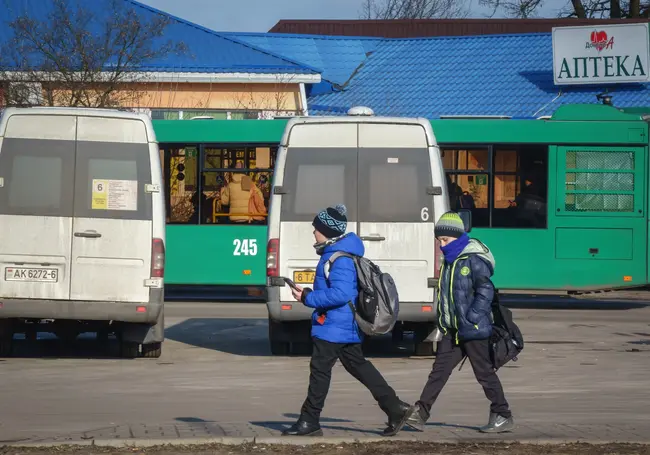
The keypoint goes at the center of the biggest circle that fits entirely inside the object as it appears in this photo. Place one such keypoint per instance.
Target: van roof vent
(361, 111)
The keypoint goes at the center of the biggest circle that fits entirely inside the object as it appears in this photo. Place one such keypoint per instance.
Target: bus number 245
(245, 247)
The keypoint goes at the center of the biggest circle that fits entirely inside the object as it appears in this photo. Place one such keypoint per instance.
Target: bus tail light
(157, 258)
(273, 257)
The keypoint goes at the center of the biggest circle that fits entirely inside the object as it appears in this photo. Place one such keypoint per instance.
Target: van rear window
(37, 177)
(393, 185)
(110, 179)
(316, 178)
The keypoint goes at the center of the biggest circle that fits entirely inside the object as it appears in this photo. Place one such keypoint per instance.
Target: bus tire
(6, 347)
(280, 348)
(152, 350)
(279, 345)
(129, 349)
(6, 338)
(423, 348)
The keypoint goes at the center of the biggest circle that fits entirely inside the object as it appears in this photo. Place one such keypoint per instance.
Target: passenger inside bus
(245, 200)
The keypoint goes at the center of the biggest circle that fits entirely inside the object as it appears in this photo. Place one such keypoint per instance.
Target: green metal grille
(599, 181)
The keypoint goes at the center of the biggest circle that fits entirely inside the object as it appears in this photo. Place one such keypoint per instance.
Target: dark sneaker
(397, 421)
(302, 428)
(417, 420)
(498, 424)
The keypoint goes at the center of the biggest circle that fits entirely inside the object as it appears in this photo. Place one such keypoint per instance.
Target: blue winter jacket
(465, 293)
(332, 319)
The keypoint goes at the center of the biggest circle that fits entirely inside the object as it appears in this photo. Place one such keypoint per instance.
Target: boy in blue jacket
(335, 333)
(465, 294)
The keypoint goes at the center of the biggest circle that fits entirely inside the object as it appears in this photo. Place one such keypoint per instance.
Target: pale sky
(261, 15)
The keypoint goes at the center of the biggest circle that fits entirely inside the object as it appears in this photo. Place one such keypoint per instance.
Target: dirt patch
(381, 448)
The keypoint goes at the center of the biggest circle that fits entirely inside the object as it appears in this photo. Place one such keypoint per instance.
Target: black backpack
(506, 341)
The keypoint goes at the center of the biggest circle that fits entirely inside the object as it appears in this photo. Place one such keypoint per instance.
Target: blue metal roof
(466, 75)
(208, 51)
(337, 57)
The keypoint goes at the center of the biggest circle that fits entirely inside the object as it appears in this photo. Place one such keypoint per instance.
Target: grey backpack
(378, 302)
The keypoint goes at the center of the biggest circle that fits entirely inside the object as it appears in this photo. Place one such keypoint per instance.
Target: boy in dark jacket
(335, 333)
(465, 294)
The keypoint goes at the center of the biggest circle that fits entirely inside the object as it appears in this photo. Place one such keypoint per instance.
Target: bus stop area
(582, 377)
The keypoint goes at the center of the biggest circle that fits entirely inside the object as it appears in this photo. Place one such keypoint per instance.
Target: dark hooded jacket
(465, 293)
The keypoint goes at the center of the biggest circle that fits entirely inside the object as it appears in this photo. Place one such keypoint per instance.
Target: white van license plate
(31, 274)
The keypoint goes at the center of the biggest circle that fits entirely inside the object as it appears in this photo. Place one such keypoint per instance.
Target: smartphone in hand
(290, 283)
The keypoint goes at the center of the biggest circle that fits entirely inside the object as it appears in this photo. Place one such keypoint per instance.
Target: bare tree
(81, 57)
(514, 8)
(414, 9)
(276, 101)
(583, 9)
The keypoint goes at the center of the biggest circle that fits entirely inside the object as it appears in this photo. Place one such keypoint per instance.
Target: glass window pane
(183, 191)
(393, 185)
(38, 177)
(318, 178)
(319, 185)
(213, 158)
(470, 192)
(505, 161)
(235, 197)
(36, 182)
(465, 159)
(112, 187)
(505, 190)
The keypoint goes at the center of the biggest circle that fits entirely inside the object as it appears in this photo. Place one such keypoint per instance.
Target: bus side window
(519, 178)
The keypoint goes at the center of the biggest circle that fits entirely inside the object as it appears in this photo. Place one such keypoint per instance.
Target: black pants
(323, 360)
(448, 356)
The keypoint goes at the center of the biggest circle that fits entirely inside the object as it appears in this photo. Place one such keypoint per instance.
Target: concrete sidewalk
(142, 435)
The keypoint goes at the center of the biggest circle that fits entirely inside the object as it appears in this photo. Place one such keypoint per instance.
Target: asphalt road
(580, 366)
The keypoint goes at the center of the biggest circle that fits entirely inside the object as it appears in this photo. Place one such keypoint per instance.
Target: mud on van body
(82, 227)
(388, 172)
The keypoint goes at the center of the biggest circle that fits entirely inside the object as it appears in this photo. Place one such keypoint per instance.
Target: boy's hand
(297, 293)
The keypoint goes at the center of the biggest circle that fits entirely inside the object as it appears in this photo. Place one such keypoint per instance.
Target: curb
(293, 441)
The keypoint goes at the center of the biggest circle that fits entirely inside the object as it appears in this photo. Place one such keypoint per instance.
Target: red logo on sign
(600, 40)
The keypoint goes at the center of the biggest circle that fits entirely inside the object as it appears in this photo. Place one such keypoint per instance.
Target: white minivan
(388, 172)
(82, 227)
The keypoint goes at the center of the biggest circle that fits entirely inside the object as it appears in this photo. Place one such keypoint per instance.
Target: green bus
(562, 201)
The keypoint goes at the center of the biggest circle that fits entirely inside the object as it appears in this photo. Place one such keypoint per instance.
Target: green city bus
(562, 201)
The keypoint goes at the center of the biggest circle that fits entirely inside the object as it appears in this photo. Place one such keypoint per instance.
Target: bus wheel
(277, 339)
(6, 338)
(152, 350)
(423, 348)
(6, 346)
(398, 333)
(129, 349)
(280, 348)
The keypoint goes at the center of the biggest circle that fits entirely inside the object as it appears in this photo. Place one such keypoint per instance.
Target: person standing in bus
(237, 194)
(465, 294)
(335, 333)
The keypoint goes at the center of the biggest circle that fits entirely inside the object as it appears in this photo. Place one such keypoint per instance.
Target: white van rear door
(320, 171)
(36, 195)
(112, 227)
(396, 219)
